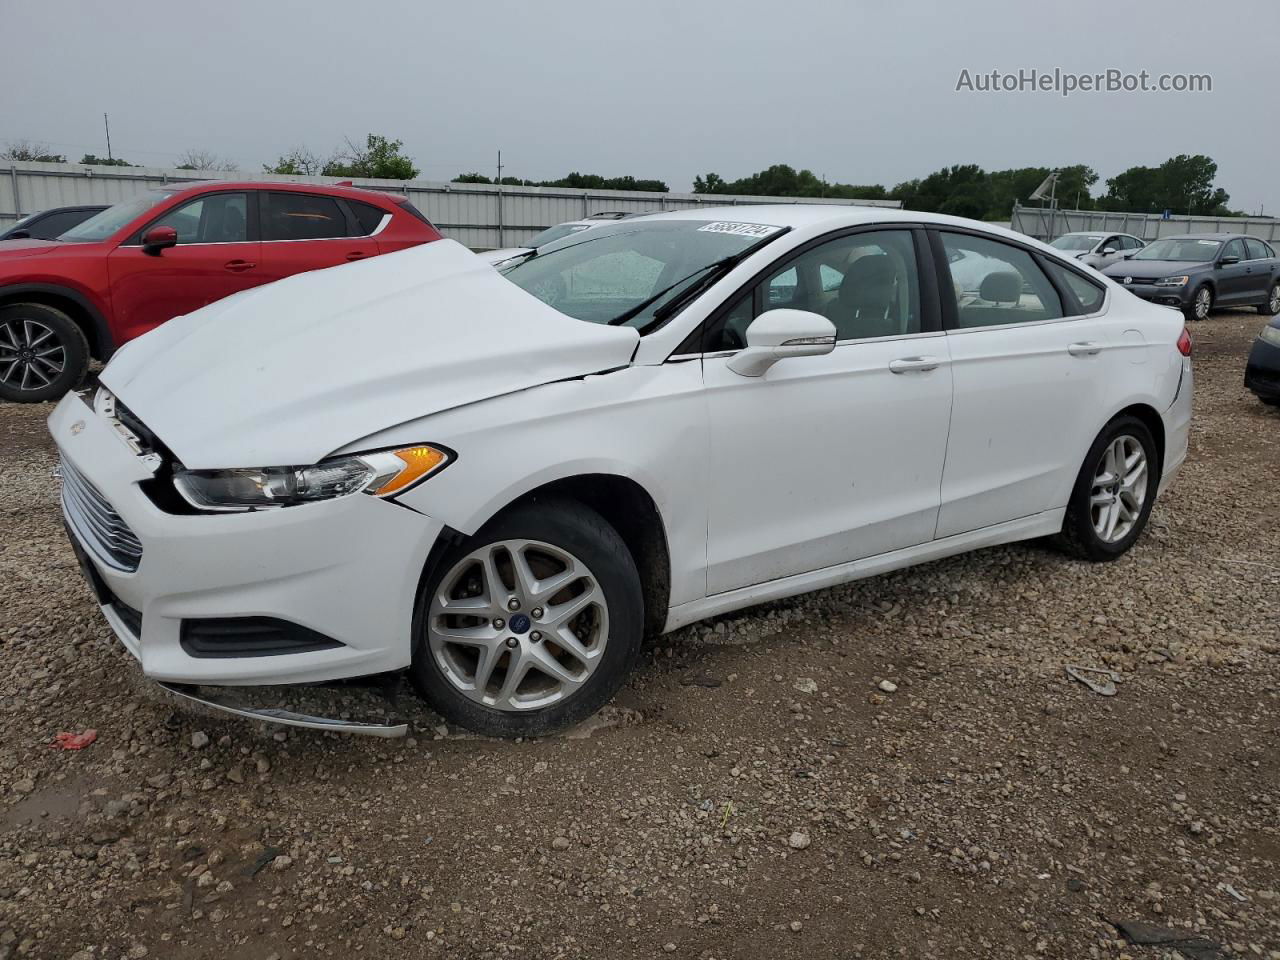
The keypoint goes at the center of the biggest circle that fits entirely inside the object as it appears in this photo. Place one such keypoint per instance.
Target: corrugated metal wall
(1044, 224)
(471, 213)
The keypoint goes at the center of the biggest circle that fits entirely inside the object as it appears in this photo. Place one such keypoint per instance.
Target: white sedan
(502, 481)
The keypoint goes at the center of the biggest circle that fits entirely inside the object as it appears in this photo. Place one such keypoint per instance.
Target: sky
(857, 91)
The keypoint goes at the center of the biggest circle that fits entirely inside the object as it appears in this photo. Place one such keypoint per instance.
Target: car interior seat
(868, 300)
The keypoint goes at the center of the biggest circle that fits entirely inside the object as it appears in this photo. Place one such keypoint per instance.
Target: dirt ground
(753, 793)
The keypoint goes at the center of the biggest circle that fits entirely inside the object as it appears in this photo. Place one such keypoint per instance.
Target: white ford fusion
(502, 481)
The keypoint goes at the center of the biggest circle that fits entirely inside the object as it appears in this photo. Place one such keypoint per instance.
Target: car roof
(1202, 236)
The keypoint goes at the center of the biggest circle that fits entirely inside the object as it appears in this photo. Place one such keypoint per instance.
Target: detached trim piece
(223, 637)
(287, 717)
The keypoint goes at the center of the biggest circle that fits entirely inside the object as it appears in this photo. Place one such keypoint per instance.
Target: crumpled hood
(287, 373)
(1154, 269)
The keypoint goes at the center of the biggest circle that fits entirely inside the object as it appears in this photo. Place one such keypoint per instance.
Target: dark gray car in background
(1197, 272)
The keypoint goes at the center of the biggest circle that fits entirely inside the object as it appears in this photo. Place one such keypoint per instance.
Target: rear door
(307, 231)
(1261, 268)
(1235, 284)
(1029, 366)
(216, 256)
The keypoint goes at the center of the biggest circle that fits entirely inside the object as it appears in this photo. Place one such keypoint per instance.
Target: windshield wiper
(713, 271)
(643, 305)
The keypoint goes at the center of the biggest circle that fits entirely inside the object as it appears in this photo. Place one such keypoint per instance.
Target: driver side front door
(828, 459)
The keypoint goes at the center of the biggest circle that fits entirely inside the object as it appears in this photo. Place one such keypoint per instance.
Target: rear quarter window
(1087, 294)
(367, 215)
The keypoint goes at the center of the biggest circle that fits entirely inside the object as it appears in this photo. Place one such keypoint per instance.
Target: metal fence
(480, 215)
(1049, 224)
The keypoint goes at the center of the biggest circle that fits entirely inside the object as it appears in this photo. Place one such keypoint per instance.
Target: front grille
(249, 637)
(96, 522)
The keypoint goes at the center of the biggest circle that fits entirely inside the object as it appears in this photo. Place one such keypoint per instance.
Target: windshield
(104, 224)
(552, 234)
(1076, 241)
(1180, 248)
(625, 272)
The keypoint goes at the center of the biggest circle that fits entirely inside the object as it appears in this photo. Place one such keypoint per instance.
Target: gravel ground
(896, 768)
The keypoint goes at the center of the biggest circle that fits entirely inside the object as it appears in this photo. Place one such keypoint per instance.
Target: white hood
(287, 373)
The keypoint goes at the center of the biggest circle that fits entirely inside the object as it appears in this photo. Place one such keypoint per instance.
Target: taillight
(1184, 343)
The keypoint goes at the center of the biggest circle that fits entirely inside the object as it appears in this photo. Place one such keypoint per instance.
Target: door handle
(239, 266)
(914, 364)
(356, 255)
(1086, 348)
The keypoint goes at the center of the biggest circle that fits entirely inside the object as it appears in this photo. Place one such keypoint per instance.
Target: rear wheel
(1114, 492)
(1201, 304)
(531, 625)
(1272, 306)
(43, 353)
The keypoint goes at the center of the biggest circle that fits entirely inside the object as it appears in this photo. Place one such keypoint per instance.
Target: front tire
(1113, 494)
(43, 353)
(1272, 306)
(531, 625)
(1201, 304)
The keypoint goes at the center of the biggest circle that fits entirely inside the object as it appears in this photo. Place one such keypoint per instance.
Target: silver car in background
(1098, 249)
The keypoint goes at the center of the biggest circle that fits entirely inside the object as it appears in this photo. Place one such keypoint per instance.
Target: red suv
(167, 252)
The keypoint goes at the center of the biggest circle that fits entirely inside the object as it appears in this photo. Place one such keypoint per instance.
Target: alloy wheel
(518, 625)
(1275, 299)
(1204, 300)
(31, 354)
(1119, 489)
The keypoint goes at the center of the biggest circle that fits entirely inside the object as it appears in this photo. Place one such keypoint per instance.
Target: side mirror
(159, 238)
(19, 235)
(777, 334)
(1228, 261)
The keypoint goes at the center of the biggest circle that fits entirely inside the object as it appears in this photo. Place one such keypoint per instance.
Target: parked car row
(128, 268)
(501, 480)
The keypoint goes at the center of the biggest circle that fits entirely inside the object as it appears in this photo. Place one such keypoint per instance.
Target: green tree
(711, 183)
(963, 190)
(1183, 184)
(472, 177)
(298, 162)
(93, 160)
(26, 150)
(379, 158)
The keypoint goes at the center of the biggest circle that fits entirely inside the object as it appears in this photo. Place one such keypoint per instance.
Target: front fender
(644, 423)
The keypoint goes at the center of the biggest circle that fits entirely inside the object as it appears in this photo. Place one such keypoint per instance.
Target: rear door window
(997, 283)
(302, 216)
(1257, 249)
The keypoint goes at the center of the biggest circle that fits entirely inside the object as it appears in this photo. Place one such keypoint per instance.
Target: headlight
(1271, 335)
(1172, 282)
(378, 474)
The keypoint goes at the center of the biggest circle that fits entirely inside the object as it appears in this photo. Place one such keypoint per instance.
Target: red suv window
(302, 216)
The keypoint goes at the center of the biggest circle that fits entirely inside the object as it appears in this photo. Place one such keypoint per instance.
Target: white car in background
(558, 232)
(709, 409)
(1098, 249)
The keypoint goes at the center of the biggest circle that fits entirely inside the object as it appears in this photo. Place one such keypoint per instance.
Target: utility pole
(107, 125)
(501, 233)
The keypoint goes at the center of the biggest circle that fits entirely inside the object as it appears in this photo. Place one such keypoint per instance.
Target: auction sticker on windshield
(740, 229)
